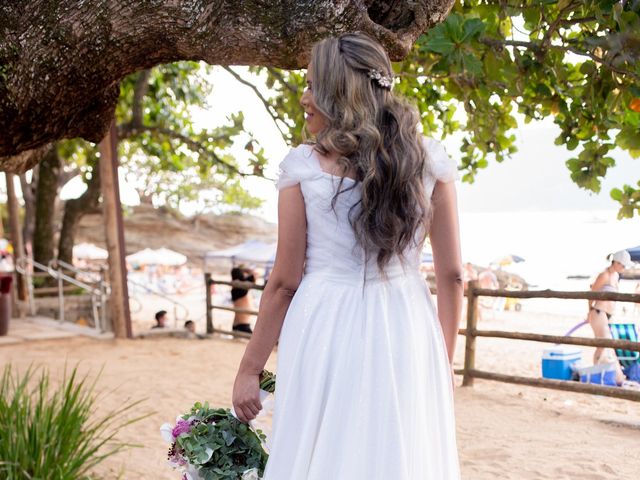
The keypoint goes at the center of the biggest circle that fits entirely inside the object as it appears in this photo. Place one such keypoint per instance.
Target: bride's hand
(246, 396)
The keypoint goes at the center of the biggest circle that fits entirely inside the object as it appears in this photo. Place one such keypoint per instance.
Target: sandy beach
(504, 431)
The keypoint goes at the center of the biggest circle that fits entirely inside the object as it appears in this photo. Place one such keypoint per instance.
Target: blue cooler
(557, 361)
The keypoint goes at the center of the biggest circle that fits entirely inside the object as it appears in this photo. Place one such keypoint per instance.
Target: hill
(149, 227)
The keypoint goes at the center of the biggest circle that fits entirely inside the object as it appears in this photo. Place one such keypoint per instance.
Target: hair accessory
(382, 80)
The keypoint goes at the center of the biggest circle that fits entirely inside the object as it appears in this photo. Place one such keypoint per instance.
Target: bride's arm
(283, 282)
(445, 242)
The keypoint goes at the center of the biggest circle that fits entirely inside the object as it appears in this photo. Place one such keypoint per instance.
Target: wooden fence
(469, 372)
(210, 282)
(471, 333)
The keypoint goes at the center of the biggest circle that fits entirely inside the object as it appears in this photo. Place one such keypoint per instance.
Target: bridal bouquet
(212, 444)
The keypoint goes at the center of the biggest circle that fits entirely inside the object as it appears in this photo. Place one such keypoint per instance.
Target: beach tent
(162, 256)
(635, 253)
(88, 251)
(252, 251)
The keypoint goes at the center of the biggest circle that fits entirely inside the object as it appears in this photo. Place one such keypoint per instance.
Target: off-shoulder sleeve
(294, 167)
(442, 168)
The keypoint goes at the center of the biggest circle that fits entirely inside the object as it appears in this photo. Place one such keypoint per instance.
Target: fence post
(207, 284)
(470, 341)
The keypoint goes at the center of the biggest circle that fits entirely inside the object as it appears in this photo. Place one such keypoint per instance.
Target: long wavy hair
(375, 134)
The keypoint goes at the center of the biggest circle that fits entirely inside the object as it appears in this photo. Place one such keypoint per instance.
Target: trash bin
(5, 304)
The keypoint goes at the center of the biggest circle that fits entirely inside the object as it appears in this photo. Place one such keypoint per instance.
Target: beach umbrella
(88, 251)
(162, 256)
(508, 260)
(635, 253)
(143, 257)
(170, 258)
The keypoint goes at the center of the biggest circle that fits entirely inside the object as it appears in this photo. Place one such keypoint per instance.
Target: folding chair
(625, 331)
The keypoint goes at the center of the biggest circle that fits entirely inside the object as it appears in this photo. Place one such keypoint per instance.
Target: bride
(364, 372)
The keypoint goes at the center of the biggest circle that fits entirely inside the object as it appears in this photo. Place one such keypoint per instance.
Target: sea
(562, 250)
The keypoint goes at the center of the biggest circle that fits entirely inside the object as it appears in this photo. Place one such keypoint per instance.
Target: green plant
(52, 433)
(267, 381)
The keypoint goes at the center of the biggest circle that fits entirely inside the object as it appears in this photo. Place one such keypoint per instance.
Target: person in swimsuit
(601, 311)
(242, 299)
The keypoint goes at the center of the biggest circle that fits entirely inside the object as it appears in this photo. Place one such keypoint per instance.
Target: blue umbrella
(635, 253)
(508, 260)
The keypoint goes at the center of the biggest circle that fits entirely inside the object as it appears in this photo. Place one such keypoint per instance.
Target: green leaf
(472, 28)
(441, 45)
(471, 64)
(616, 194)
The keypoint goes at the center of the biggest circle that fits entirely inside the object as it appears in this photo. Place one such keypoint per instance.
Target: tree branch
(139, 91)
(537, 48)
(270, 110)
(129, 131)
(62, 61)
(276, 73)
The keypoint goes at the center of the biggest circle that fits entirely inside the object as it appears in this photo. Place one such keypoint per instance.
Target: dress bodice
(331, 242)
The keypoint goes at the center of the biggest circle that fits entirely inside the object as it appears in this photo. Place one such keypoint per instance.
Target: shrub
(51, 433)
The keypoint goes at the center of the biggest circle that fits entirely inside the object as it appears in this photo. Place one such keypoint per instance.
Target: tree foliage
(491, 63)
(574, 61)
(164, 154)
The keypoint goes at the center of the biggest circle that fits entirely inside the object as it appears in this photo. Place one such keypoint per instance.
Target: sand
(504, 431)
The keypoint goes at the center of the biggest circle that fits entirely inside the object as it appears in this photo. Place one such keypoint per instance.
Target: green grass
(49, 433)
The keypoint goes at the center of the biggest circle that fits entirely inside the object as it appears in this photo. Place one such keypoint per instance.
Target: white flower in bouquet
(251, 474)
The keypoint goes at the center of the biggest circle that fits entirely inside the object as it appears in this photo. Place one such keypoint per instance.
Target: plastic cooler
(557, 361)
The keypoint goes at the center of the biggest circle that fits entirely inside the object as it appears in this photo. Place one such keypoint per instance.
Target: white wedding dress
(363, 384)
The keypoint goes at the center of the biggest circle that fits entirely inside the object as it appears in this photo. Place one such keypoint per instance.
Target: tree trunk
(114, 235)
(16, 236)
(46, 195)
(29, 197)
(74, 210)
(61, 61)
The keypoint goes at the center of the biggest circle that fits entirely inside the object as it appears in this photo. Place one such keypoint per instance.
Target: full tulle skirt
(363, 388)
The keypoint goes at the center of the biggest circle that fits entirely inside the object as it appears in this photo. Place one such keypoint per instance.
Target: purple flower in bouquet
(182, 426)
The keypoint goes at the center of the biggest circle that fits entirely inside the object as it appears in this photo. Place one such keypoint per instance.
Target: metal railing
(176, 305)
(99, 291)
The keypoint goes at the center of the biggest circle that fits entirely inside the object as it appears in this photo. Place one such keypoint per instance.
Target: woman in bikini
(601, 311)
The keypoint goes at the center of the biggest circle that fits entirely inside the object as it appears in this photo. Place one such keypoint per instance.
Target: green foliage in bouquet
(221, 445)
(268, 381)
(54, 434)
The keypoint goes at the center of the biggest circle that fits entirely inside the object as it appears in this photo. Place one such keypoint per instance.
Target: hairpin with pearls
(382, 80)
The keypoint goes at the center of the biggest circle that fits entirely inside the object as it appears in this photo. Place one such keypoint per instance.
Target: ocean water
(554, 244)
